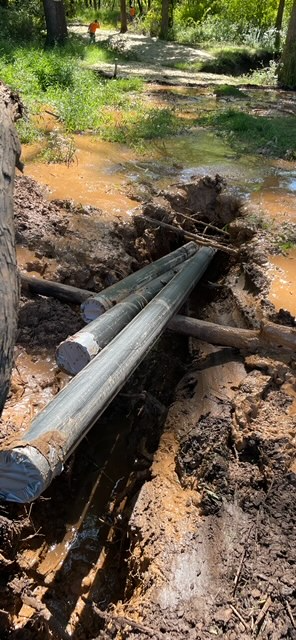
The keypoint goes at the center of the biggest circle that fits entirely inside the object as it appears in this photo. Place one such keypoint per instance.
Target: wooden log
(270, 335)
(10, 151)
(200, 240)
(63, 292)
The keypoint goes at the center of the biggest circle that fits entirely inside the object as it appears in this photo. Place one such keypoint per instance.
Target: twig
(188, 235)
(240, 566)
(238, 615)
(122, 620)
(262, 613)
(290, 614)
(204, 224)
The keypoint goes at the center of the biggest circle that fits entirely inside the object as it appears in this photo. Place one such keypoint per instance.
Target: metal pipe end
(92, 308)
(24, 474)
(74, 354)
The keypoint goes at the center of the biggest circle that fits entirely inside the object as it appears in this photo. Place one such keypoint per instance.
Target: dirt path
(153, 59)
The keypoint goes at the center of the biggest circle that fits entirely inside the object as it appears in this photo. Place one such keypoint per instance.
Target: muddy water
(283, 288)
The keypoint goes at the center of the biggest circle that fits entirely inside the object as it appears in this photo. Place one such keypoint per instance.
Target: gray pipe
(73, 354)
(27, 469)
(98, 304)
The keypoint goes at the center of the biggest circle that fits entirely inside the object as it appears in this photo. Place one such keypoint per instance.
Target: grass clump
(247, 133)
(229, 90)
(236, 60)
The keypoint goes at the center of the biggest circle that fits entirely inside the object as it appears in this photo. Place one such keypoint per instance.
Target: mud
(175, 516)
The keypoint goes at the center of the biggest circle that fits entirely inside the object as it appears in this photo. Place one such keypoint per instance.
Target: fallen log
(63, 292)
(10, 110)
(98, 304)
(200, 240)
(29, 465)
(77, 351)
(269, 335)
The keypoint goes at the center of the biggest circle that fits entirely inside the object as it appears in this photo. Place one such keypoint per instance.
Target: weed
(229, 90)
(259, 134)
(59, 150)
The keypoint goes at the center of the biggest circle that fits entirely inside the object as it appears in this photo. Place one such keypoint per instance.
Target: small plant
(59, 150)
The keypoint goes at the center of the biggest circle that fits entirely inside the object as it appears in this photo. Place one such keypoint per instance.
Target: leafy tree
(287, 70)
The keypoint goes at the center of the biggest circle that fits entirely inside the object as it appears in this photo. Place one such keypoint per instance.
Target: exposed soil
(175, 516)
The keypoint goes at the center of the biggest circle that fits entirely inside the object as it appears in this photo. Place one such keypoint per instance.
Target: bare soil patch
(175, 517)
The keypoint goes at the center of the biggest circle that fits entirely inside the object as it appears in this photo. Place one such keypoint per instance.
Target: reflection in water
(283, 288)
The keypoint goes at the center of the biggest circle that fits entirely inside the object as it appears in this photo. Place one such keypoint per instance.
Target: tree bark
(164, 28)
(123, 17)
(287, 70)
(56, 25)
(269, 336)
(278, 24)
(10, 151)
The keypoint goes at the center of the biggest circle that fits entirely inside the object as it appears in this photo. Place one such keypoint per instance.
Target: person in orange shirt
(92, 30)
(132, 12)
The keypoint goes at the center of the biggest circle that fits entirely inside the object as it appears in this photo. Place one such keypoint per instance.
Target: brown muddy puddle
(94, 178)
(283, 287)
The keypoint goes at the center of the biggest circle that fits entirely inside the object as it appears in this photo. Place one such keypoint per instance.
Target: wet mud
(175, 517)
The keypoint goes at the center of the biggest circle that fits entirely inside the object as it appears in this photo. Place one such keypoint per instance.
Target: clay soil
(175, 518)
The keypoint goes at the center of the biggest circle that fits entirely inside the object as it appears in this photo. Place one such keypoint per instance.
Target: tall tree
(10, 110)
(123, 17)
(56, 24)
(278, 24)
(164, 27)
(287, 69)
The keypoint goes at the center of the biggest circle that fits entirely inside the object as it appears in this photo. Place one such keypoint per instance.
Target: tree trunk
(164, 28)
(56, 24)
(278, 24)
(123, 17)
(9, 157)
(140, 7)
(287, 70)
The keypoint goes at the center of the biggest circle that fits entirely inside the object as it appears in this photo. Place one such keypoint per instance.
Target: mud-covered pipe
(28, 468)
(73, 354)
(98, 304)
(63, 292)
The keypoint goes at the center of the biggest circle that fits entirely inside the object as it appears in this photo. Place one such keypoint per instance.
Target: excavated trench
(175, 516)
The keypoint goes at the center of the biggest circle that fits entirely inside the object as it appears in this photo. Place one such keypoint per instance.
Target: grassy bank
(247, 133)
(82, 101)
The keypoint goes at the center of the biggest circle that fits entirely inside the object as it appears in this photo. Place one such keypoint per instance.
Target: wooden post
(10, 110)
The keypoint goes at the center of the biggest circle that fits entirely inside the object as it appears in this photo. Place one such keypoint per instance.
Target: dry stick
(238, 615)
(262, 614)
(241, 564)
(290, 614)
(45, 614)
(205, 224)
(122, 620)
(188, 235)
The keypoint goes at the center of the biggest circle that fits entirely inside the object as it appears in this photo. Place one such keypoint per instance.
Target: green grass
(78, 96)
(229, 90)
(255, 134)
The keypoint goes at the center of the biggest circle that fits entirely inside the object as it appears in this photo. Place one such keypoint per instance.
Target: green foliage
(236, 60)
(264, 75)
(229, 90)
(254, 134)
(136, 128)
(60, 149)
